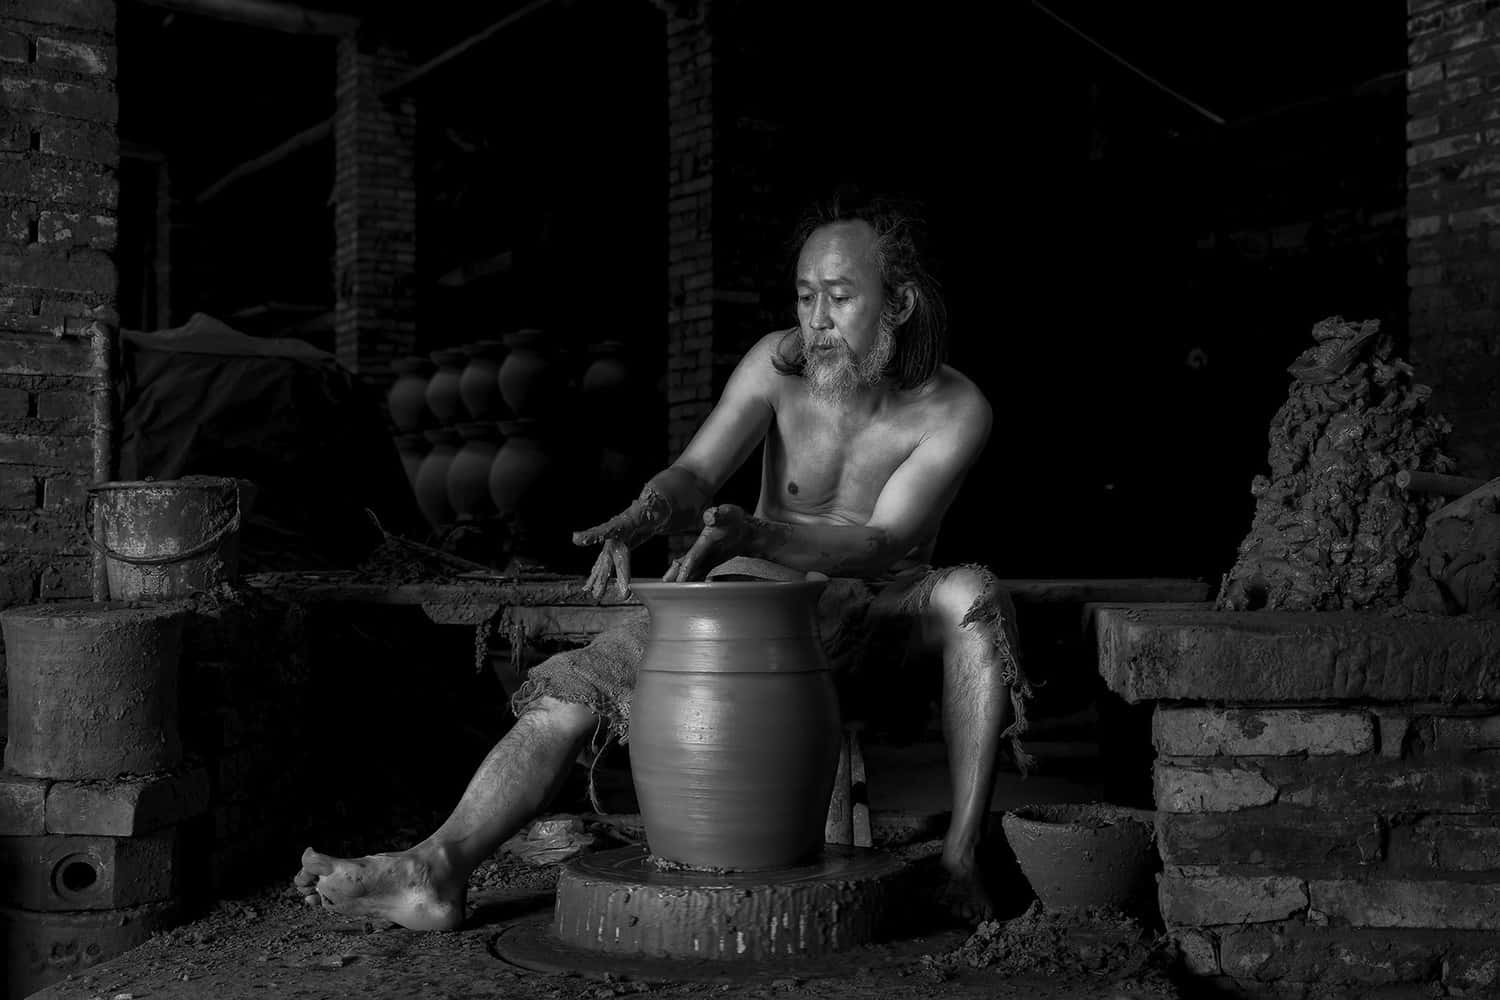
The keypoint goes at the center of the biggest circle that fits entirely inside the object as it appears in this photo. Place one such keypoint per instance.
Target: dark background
(1127, 278)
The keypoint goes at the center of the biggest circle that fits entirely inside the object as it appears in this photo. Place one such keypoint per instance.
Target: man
(868, 436)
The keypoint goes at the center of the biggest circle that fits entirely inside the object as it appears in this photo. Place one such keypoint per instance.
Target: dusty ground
(266, 944)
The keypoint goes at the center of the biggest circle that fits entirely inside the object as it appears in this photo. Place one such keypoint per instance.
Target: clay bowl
(1085, 856)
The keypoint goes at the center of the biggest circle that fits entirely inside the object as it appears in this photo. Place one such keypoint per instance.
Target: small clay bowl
(1080, 856)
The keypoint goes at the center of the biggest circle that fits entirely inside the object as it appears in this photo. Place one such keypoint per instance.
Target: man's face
(846, 336)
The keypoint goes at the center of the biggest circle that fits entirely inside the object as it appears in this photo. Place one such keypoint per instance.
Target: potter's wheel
(617, 913)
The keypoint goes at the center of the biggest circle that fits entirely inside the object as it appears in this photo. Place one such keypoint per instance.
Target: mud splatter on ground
(1332, 530)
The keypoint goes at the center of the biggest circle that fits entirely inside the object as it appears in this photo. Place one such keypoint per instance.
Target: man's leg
(423, 887)
(967, 614)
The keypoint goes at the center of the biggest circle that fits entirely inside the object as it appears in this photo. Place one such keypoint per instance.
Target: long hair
(900, 253)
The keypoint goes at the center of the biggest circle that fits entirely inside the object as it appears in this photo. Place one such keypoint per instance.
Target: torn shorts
(885, 653)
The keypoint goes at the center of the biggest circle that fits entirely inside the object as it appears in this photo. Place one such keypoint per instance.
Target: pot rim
(721, 586)
(1112, 816)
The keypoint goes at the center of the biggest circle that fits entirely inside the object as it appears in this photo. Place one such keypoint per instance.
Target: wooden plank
(287, 18)
(859, 789)
(838, 828)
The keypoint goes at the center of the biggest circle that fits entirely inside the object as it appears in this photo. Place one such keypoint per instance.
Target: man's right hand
(614, 559)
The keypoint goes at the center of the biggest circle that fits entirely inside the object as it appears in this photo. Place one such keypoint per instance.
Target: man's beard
(833, 376)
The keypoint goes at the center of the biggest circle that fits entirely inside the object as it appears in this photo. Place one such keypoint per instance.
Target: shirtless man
(868, 438)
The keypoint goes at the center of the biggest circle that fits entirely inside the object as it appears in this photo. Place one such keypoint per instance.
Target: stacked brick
(1328, 800)
(96, 792)
(375, 212)
(1453, 214)
(58, 197)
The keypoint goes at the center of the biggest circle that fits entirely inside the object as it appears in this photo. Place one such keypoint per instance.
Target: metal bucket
(170, 538)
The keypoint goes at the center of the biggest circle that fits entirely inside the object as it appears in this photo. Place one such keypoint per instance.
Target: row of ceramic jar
(476, 470)
(491, 380)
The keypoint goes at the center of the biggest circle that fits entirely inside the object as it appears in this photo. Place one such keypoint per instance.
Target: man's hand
(613, 558)
(649, 514)
(726, 531)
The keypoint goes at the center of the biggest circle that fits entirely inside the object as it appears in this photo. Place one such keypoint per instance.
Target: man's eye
(840, 299)
(804, 300)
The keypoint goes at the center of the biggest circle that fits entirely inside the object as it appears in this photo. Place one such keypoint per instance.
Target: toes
(304, 878)
(316, 864)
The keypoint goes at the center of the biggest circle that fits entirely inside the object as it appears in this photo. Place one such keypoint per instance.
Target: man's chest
(813, 463)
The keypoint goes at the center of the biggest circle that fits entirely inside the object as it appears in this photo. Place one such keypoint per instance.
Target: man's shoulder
(954, 392)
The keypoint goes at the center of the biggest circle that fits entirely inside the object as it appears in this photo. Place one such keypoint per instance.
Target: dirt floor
(267, 944)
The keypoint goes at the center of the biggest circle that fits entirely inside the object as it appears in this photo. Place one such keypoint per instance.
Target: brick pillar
(59, 157)
(1453, 219)
(375, 256)
(727, 226)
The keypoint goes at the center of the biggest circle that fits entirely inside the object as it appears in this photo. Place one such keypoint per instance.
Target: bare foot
(966, 896)
(417, 889)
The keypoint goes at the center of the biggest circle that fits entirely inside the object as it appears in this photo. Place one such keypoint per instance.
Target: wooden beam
(301, 140)
(269, 14)
(310, 135)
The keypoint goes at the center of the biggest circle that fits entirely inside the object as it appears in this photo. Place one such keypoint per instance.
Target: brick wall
(375, 214)
(1328, 803)
(58, 197)
(1453, 217)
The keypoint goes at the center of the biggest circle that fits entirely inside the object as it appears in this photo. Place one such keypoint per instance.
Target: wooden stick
(1433, 482)
(104, 335)
(859, 789)
(838, 828)
(284, 17)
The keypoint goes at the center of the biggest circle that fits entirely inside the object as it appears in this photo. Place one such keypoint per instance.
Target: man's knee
(966, 595)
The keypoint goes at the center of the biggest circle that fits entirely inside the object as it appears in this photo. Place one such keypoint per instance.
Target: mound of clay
(1458, 562)
(1332, 530)
(1098, 942)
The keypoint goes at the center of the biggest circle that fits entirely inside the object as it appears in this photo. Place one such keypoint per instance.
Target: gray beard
(834, 378)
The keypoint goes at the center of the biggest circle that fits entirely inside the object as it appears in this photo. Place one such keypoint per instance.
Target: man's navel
(791, 488)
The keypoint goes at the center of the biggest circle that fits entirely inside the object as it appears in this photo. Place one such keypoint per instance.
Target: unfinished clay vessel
(734, 724)
(1078, 856)
(443, 397)
(407, 397)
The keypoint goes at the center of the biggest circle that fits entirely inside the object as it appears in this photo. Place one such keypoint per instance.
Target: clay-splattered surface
(269, 945)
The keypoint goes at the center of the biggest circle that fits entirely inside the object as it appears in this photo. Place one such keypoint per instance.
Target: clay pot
(407, 398)
(479, 385)
(527, 375)
(432, 477)
(607, 373)
(519, 465)
(469, 472)
(412, 448)
(1091, 855)
(443, 397)
(734, 724)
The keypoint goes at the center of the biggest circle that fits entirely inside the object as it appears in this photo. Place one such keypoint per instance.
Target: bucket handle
(206, 546)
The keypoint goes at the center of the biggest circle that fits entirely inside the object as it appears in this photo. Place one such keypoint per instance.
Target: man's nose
(820, 317)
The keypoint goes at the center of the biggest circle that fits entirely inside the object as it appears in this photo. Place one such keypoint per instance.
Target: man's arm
(907, 513)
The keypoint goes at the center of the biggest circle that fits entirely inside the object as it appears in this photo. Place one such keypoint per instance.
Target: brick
(46, 450)
(15, 404)
(1421, 128)
(1407, 903)
(65, 578)
(59, 181)
(126, 808)
(75, 57)
(1342, 956)
(52, 873)
(46, 947)
(1174, 654)
(1461, 734)
(88, 14)
(1230, 899)
(1443, 148)
(61, 404)
(1278, 836)
(22, 805)
(63, 491)
(68, 100)
(17, 489)
(1447, 843)
(1393, 730)
(1471, 965)
(1385, 786)
(1219, 789)
(78, 140)
(1198, 952)
(1207, 732)
(75, 229)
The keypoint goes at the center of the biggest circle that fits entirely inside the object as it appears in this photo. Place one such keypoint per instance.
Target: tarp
(205, 399)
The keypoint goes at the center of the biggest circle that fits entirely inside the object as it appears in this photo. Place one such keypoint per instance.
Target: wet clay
(1099, 942)
(1332, 530)
(1458, 561)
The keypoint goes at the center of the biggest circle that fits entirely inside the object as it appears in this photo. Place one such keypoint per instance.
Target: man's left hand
(725, 534)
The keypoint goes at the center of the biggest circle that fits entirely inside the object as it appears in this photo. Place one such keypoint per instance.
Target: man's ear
(906, 296)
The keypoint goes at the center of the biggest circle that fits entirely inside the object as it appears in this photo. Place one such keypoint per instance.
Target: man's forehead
(840, 249)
